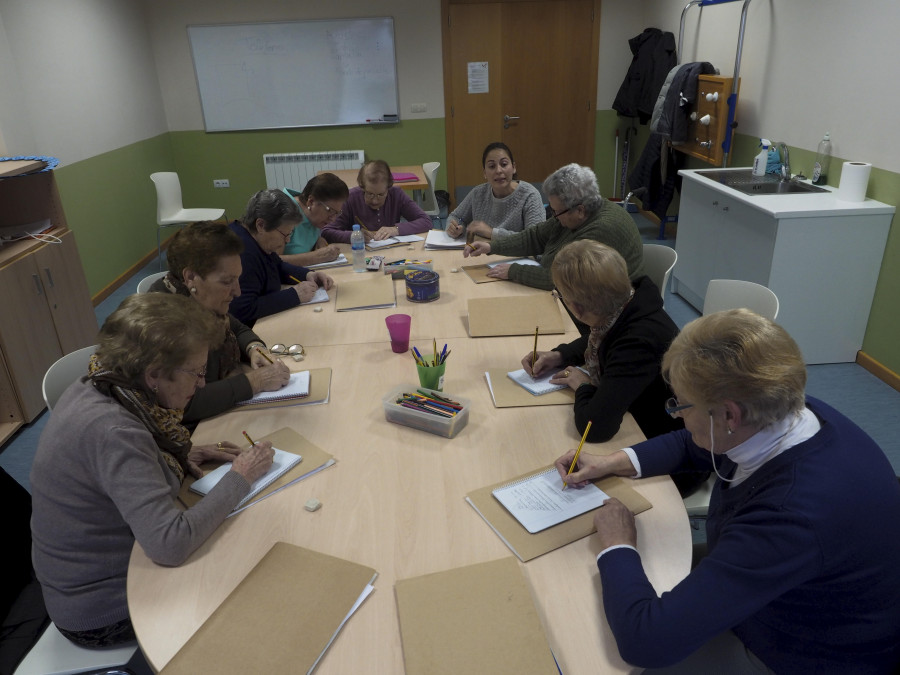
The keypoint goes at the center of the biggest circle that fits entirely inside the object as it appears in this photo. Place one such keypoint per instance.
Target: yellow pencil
(534, 353)
(266, 356)
(577, 452)
(247, 436)
(291, 276)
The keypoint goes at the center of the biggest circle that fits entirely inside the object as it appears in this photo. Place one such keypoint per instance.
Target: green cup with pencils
(431, 366)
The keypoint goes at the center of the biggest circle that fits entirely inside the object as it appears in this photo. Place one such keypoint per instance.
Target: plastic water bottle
(823, 159)
(358, 245)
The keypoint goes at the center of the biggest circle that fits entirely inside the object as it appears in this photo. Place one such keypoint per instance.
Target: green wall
(110, 201)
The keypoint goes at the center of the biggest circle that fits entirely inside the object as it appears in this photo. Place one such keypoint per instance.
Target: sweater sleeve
(138, 486)
(244, 335)
(464, 213)
(216, 397)
(530, 241)
(416, 220)
(529, 211)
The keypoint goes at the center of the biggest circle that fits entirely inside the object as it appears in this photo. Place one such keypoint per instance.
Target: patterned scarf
(230, 353)
(172, 438)
(591, 358)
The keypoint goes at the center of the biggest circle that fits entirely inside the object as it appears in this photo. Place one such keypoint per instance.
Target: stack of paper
(340, 261)
(536, 385)
(439, 239)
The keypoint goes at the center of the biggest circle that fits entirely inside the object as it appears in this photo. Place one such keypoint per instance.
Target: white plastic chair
(722, 294)
(429, 201)
(145, 283)
(170, 212)
(53, 654)
(658, 263)
(63, 373)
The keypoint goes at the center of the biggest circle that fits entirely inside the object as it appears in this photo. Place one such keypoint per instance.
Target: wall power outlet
(222, 183)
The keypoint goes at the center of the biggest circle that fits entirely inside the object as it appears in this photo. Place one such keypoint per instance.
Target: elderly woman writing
(501, 206)
(267, 224)
(803, 569)
(111, 460)
(580, 214)
(321, 202)
(205, 264)
(382, 209)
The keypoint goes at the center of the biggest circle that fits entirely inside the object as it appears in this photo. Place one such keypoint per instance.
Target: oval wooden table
(395, 498)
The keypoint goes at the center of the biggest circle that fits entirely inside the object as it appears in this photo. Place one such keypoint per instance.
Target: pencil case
(447, 427)
(398, 270)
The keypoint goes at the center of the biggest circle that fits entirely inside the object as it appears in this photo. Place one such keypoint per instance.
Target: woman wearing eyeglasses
(111, 461)
(205, 265)
(382, 209)
(580, 214)
(321, 202)
(802, 573)
(267, 225)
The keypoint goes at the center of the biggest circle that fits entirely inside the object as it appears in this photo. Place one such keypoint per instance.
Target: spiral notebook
(283, 462)
(297, 387)
(535, 385)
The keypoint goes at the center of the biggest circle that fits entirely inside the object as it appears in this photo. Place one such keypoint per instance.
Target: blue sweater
(803, 564)
(262, 276)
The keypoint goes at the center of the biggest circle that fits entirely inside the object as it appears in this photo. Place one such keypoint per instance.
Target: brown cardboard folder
(528, 546)
(369, 292)
(478, 273)
(508, 394)
(475, 619)
(281, 618)
(516, 315)
(284, 439)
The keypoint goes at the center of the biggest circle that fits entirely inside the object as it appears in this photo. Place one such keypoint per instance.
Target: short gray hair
(274, 207)
(574, 184)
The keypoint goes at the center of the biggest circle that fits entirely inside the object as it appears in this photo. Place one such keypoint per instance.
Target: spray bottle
(760, 161)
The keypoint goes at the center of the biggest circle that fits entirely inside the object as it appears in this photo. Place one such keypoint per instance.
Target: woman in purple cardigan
(378, 207)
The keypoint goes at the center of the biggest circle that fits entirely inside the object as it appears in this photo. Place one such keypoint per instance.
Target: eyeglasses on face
(287, 237)
(673, 407)
(333, 213)
(556, 295)
(557, 214)
(199, 374)
(374, 196)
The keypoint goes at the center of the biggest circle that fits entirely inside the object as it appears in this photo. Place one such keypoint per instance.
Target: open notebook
(397, 240)
(297, 387)
(535, 385)
(281, 464)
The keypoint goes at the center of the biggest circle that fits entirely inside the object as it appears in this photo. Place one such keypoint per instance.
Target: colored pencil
(577, 452)
(247, 436)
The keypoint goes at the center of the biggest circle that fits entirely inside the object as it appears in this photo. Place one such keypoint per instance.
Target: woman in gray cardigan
(111, 460)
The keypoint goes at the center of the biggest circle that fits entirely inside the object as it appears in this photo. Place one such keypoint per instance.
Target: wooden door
(542, 68)
(67, 292)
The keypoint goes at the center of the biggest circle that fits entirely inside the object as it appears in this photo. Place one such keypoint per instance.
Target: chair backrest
(429, 201)
(732, 294)
(658, 263)
(168, 195)
(64, 372)
(145, 283)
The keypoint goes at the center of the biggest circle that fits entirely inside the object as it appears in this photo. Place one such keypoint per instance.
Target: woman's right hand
(454, 229)
(306, 290)
(545, 361)
(270, 377)
(253, 462)
(327, 253)
(477, 248)
(588, 468)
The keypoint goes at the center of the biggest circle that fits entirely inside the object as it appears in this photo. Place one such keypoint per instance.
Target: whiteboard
(296, 74)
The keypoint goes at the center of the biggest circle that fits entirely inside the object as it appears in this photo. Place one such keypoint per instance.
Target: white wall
(619, 22)
(417, 35)
(808, 66)
(77, 76)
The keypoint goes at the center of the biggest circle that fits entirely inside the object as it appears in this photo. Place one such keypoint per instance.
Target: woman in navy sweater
(803, 570)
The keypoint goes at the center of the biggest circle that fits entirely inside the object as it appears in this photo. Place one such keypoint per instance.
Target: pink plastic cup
(398, 326)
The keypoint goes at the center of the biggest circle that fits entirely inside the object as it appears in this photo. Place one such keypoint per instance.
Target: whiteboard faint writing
(295, 74)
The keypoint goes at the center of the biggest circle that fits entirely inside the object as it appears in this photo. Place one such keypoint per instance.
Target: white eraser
(453, 269)
(312, 504)
(317, 309)
(410, 248)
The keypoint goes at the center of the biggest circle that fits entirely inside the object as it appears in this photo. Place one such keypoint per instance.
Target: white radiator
(294, 169)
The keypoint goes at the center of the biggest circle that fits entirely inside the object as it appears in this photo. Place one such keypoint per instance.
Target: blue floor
(855, 392)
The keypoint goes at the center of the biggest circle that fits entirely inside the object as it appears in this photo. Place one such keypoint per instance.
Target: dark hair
(325, 186)
(200, 246)
(274, 207)
(155, 330)
(497, 145)
(377, 167)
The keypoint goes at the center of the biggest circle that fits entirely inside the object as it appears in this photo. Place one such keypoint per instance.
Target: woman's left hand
(386, 232)
(224, 451)
(499, 272)
(320, 279)
(481, 228)
(572, 377)
(615, 524)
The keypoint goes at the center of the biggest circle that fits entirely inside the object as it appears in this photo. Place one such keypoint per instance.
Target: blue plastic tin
(423, 286)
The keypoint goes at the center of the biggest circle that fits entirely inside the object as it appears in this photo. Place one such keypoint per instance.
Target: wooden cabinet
(819, 255)
(45, 302)
(708, 126)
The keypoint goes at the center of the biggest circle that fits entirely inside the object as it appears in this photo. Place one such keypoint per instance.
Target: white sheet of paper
(537, 386)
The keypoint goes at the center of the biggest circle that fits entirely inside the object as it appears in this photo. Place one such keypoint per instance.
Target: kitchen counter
(821, 256)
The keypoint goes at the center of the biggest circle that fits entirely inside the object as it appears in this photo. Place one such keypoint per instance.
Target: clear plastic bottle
(823, 160)
(358, 246)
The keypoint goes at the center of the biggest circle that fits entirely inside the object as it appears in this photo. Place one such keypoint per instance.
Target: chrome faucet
(785, 170)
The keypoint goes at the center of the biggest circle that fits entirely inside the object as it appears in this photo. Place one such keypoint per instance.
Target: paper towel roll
(854, 181)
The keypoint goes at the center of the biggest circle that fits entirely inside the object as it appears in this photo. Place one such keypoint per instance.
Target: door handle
(49, 277)
(37, 284)
(507, 119)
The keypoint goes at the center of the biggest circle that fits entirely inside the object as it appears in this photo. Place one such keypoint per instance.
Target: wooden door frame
(448, 84)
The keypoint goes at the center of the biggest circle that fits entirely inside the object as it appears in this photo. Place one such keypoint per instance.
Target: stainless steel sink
(744, 181)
